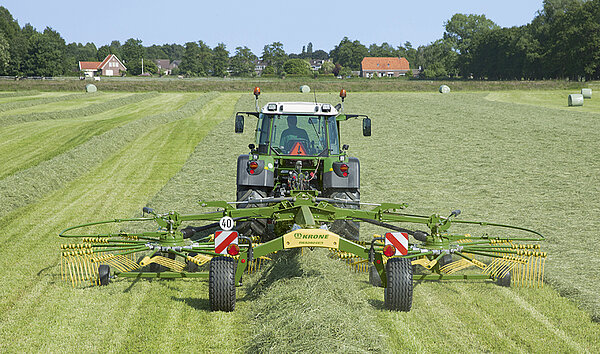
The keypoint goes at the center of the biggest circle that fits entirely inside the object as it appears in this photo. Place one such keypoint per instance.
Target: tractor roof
(311, 108)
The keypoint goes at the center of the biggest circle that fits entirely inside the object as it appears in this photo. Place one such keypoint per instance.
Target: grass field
(515, 157)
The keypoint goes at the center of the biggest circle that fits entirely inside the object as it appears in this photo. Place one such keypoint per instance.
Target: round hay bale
(444, 89)
(586, 92)
(576, 99)
(90, 88)
(304, 89)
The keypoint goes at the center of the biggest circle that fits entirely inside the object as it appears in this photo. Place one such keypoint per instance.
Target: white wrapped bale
(586, 92)
(304, 89)
(90, 88)
(444, 89)
(575, 99)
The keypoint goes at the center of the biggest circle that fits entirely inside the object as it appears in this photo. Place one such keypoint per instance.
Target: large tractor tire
(399, 290)
(221, 284)
(345, 228)
(257, 227)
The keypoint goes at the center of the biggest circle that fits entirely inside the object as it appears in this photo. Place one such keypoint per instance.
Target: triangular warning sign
(298, 149)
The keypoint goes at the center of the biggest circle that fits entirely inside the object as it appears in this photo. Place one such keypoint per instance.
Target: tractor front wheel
(221, 284)
(399, 290)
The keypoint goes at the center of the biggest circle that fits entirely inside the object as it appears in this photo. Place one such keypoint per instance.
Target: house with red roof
(110, 66)
(384, 66)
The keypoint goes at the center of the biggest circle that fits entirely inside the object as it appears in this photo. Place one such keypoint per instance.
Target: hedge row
(76, 112)
(28, 186)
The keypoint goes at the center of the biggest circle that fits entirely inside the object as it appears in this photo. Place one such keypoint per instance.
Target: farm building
(259, 66)
(166, 66)
(384, 66)
(110, 66)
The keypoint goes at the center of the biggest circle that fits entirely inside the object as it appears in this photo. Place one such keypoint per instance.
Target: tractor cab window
(299, 135)
(334, 143)
(262, 133)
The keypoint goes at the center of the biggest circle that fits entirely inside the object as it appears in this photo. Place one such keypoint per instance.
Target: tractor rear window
(299, 135)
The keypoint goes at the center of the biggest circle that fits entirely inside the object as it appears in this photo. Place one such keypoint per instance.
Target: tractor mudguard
(335, 179)
(261, 177)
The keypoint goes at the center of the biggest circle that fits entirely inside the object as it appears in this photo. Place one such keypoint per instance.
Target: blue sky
(256, 23)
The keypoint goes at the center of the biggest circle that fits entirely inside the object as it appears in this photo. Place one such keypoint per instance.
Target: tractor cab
(298, 129)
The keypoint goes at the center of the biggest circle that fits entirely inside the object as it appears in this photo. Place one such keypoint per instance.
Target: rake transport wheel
(345, 228)
(257, 227)
(504, 281)
(221, 284)
(399, 290)
(103, 274)
(374, 278)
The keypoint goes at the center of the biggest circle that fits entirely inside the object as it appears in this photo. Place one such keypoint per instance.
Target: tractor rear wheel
(345, 228)
(221, 284)
(399, 290)
(256, 227)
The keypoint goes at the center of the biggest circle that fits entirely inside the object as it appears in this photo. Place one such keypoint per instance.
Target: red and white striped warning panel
(398, 240)
(224, 239)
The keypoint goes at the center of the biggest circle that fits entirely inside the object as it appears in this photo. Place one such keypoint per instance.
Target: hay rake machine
(302, 220)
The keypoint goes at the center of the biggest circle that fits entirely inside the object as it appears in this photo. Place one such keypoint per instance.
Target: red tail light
(389, 250)
(344, 169)
(233, 249)
(253, 165)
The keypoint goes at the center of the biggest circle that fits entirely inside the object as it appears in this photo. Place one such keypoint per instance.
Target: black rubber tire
(374, 278)
(347, 229)
(257, 227)
(221, 284)
(447, 258)
(104, 274)
(191, 266)
(399, 290)
(504, 281)
(157, 268)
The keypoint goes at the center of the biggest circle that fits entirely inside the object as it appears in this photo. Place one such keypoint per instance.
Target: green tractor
(298, 147)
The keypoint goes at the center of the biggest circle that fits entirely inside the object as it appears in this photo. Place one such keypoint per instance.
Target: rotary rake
(301, 220)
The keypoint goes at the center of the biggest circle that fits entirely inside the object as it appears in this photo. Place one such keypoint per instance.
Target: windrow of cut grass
(18, 94)
(27, 144)
(38, 101)
(27, 186)
(130, 315)
(81, 112)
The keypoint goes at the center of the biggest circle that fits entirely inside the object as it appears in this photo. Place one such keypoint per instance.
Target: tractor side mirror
(367, 127)
(239, 123)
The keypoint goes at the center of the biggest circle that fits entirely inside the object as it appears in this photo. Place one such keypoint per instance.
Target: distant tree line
(562, 41)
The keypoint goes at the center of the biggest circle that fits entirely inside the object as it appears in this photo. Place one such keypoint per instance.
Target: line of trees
(562, 41)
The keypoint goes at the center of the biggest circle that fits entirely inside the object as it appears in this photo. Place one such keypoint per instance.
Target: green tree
(17, 41)
(297, 67)
(132, 50)
(4, 54)
(275, 55)
(135, 68)
(385, 50)
(220, 60)
(190, 63)
(309, 49)
(320, 54)
(156, 52)
(205, 56)
(349, 53)
(242, 63)
(46, 54)
(439, 58)
(326, 68)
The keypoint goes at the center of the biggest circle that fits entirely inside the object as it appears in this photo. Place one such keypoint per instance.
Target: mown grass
(27, 186)
(109, 102)
(32, 101)
(550, 99)
(131, 316)
(506, 162)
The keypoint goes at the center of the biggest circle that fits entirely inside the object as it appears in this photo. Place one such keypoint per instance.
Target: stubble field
(519, 157)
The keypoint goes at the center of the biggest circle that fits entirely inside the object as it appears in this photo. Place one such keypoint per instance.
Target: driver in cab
(293, 134)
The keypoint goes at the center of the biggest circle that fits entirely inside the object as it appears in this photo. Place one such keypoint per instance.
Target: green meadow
(519, 157)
